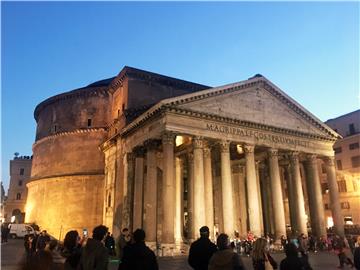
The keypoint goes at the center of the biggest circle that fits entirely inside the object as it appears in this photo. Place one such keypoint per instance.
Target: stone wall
(69, 153)
(70, 111)
(61, 204)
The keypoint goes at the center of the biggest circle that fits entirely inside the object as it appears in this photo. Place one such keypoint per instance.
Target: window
(324, 188)
(89, 122)
(118, 113)
(342, 186)
(337, 150)
(109, 200)
(353, 146)
(18, 196)
(20, 183)
(355, 185)
(123, 107)
(339, 164)
(351, 129)
(355, 161)
(345, 205)
(22, 171)
(326, 206)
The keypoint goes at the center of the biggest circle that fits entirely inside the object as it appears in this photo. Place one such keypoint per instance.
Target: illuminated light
(179, 140)
(28, 209)
(239, 149)
(12, 219)
(330, 222)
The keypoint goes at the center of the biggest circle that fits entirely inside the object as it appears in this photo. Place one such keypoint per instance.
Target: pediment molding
(173, 105)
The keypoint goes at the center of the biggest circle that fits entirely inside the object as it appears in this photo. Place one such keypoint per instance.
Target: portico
(226, 158)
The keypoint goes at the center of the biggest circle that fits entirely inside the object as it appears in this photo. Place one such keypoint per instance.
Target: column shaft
(190, 197)
(138, 188)
(199, 198)
(168, 190)
(178, 200)
(129, 164)
(150, 195)
(209, 200)
(266, 202)
(316, 205)
(277, 200)
(291, 197)
(300, 216)
(251, 187)
(334, 196)
(243, 206)
(257, 168)
(227, 190)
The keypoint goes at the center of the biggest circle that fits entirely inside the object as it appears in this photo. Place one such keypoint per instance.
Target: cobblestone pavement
(13, 251)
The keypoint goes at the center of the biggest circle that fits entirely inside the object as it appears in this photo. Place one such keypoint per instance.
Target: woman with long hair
(72, 250)
(261, 258)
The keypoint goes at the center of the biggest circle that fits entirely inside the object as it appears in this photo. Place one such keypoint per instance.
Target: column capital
(139, 151)
(248, 148)
(168, 138)
(294, 156)
(152, 144)
(311, 158)
(198, 142)
(272, 152)
(207, 151)
(130, 156)
(190, 156)
(224, 146)
(329, 160)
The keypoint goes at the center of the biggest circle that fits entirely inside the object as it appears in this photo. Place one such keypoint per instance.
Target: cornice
(35, 180)
(77, 93)
(135, 73)
(172, 104)
(65, 133)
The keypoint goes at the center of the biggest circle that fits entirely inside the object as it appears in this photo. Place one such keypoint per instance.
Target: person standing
(110, 244)
(261, 256)
(225, 258)
(201, 250)
(28, 245)
(124, 240)
(42, 240)
(94, 255)
(72, 250)
(138, 256)
(357, 254)
(292, 260)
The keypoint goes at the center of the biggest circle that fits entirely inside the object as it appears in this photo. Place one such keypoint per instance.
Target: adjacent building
(347, 156)
(14, 206)
(146, 150)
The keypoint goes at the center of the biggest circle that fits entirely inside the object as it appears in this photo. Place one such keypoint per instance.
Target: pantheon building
(143, 150)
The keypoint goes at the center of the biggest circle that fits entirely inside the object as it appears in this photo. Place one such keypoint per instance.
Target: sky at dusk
(308, 49)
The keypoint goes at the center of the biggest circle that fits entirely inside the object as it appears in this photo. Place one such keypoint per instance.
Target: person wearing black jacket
(201, 250)
(138, 256)
(72, 250)
(292, 260)
(94, 256)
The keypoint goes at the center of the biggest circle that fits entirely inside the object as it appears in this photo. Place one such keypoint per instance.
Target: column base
(152, 246)
(171, 250)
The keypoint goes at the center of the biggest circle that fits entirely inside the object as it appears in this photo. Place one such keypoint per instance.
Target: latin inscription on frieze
(258, 135)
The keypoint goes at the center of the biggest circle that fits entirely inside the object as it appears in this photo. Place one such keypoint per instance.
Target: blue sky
(309, 49)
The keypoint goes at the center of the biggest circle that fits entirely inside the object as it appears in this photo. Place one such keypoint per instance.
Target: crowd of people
(89, 253)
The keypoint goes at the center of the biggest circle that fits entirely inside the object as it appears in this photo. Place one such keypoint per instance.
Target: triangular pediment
(256, 101)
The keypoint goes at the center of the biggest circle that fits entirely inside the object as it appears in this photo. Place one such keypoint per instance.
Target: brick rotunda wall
(67, 178)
